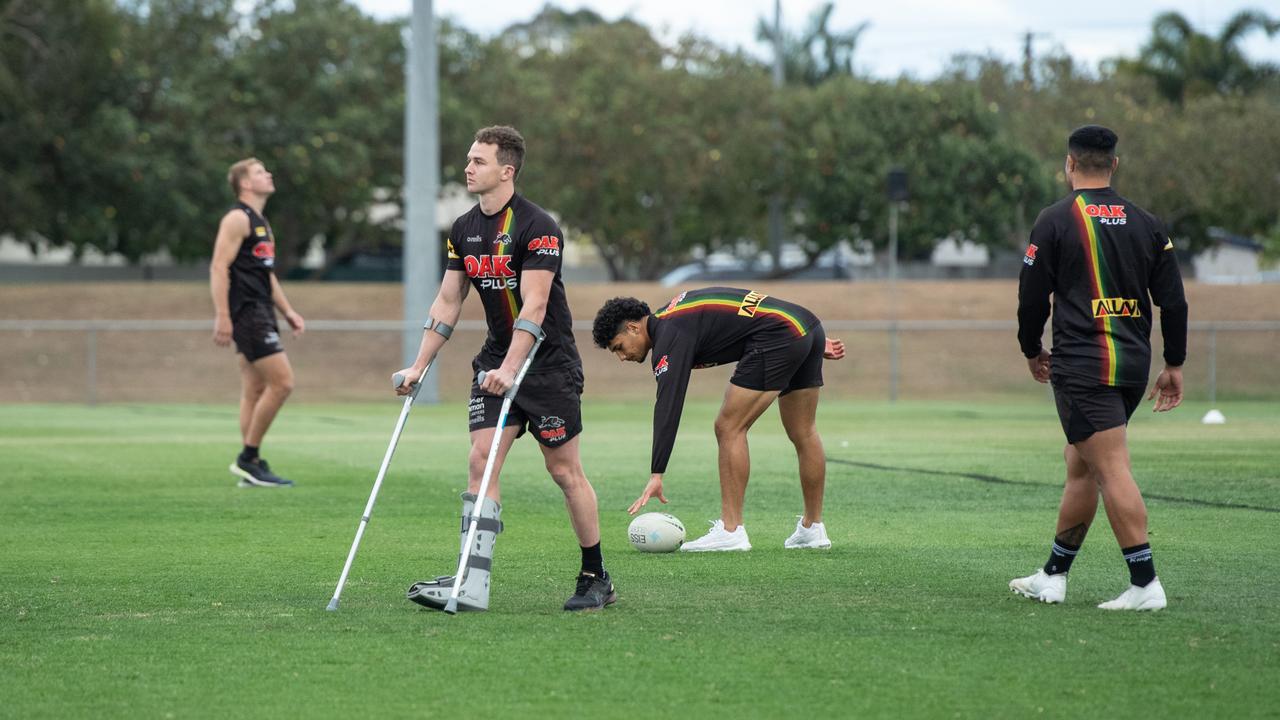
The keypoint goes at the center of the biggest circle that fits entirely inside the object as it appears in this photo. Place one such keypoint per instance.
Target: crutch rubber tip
(333, 605)
(451, 607)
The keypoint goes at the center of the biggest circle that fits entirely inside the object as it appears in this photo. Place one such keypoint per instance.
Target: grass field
(140, 582)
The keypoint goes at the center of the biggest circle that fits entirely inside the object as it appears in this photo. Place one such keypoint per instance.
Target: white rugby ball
(656, 532)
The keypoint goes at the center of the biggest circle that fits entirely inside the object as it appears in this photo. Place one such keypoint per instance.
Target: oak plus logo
(1030, 258)
(492, 271)
(1106, 214)
(265, 250)
(545, 245)
(661, 367)
(1116, 307)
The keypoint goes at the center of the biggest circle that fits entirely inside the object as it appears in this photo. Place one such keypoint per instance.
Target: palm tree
(1185, 62)
(817, 54)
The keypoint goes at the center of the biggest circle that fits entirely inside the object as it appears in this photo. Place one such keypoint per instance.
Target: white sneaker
(718, 539)
(814, 536)
(1041, 586)
(1150, 597)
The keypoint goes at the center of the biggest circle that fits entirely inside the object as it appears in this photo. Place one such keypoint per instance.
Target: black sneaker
(266, 466)
(592, 593)
(256, 473)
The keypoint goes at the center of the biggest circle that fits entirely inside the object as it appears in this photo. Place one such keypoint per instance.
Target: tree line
(118, 121)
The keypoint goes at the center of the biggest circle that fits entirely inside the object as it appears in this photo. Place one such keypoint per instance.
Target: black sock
(249, 453)
(592, 561)
(1142, 568)
(1060, 558)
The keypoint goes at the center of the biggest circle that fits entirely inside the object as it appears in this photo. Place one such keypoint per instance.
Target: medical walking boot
(474, 592)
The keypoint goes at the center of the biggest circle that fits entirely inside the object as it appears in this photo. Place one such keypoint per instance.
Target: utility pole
(1028, 58)
(421, 251)
(775, 200)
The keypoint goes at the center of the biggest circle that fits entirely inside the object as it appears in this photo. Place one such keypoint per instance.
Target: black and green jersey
(1104, 261)
(495, 251)
(708, 327)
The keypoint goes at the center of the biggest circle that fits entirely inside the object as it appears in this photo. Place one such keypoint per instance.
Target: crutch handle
(397, 380)
(480, 377)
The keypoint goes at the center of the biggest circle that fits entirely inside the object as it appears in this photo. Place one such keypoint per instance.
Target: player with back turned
(1103, 260)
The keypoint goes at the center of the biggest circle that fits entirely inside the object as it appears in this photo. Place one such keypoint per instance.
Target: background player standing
(779, 347)
(246, 295)
(1103, 260)
(510, 250)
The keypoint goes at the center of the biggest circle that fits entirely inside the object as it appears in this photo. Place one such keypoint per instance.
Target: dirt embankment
(153, 366)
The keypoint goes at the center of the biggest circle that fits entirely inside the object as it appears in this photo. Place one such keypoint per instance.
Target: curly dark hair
(615, 312)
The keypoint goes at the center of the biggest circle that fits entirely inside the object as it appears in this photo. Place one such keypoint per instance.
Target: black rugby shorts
(253, 328)
(1086, 407)
(794, 366)
(548, 405)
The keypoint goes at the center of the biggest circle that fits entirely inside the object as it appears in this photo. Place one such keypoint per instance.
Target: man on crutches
(510, 249)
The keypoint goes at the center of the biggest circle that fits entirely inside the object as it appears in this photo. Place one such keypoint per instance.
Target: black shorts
(795, 366)
(253, 328)
(548, 404)
(1086, 407)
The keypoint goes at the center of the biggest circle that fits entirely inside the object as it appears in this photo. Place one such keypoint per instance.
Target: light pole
(898, 196)
(421, 251)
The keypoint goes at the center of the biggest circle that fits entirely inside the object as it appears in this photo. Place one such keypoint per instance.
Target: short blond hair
(240, 171)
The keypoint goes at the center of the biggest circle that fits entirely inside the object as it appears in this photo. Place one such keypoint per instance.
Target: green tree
(317, 92)
(1209, 162)
(61, 118)
(968, 178)
(1185, 62)
(167, 174)
(818, 53)
(646, 151)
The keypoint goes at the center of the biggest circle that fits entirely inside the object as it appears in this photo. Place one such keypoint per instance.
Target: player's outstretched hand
(834, 349)
(651, 490)
(1168, 389)
(1040, 366)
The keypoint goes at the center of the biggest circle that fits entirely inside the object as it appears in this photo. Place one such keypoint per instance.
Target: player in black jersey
(779, 348)
(510, 251)
(1104, 261)
(246, 295)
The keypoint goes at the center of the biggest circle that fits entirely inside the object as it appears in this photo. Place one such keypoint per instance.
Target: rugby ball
(656, 532)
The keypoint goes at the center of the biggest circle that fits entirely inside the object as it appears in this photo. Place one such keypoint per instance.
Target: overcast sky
(912, 36)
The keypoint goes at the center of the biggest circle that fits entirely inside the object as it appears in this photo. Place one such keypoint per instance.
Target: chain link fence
(92, 361)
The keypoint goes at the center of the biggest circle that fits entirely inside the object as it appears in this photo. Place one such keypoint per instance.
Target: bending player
(510, 250)
(779, 347)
